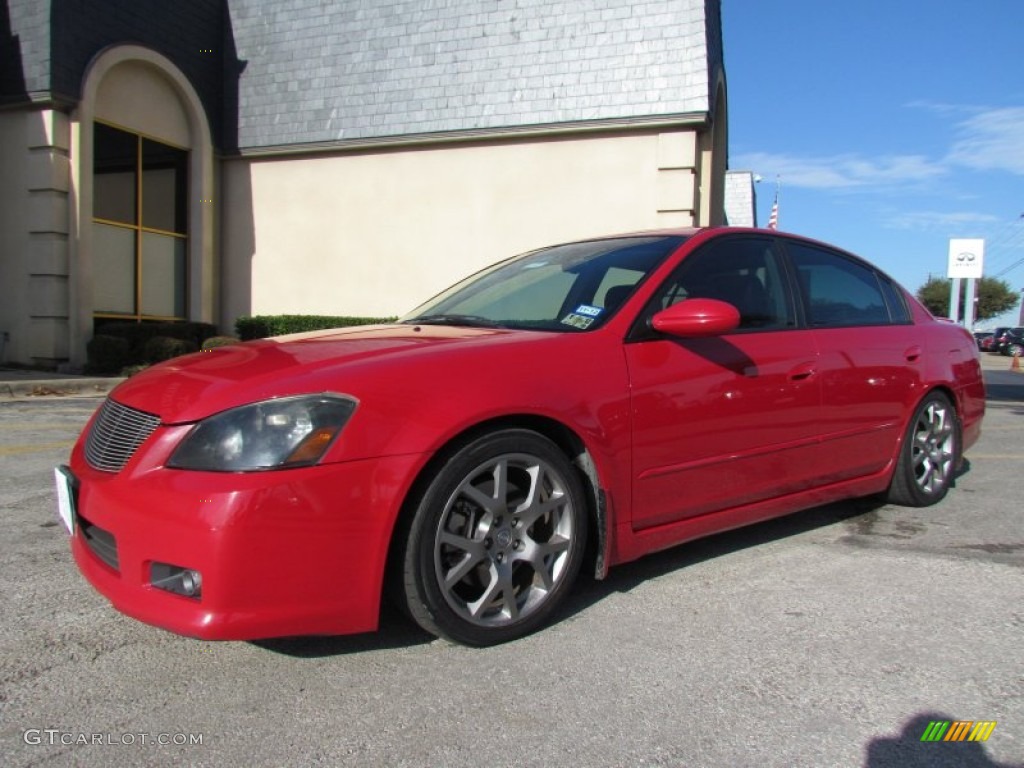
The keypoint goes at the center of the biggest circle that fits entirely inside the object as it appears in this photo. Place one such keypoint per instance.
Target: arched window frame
(202, 269)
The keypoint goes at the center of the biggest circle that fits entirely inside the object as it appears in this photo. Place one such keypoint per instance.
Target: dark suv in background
(997, 338)
(1012, 342)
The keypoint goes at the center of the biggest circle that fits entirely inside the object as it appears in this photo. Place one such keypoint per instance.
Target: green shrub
(138, 334)
(123, 344)
(262, 326)
(160, 348)
(218, 341)
(107, 354)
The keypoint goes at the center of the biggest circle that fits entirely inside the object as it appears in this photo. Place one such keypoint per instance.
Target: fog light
(192, 582)
(174, 578)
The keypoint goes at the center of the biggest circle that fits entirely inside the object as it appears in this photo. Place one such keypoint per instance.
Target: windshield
(573, 287)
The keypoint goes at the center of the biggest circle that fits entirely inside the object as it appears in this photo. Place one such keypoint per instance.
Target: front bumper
(291, 552)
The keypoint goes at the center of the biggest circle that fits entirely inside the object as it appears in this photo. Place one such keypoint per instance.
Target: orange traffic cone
(1015, 365)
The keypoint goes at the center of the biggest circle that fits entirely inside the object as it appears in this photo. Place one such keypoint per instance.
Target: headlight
(275, 434)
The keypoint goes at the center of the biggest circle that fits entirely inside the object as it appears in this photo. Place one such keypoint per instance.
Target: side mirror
(697, 317)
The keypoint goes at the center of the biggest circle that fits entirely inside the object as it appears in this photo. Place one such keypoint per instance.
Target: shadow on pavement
(397, 631)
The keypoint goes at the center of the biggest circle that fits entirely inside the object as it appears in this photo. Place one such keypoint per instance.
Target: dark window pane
(744, 272)
(838, 291)
(164, 174)
(897, 304)
(115, 156)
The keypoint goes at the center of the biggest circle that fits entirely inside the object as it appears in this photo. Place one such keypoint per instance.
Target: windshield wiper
(470, 321)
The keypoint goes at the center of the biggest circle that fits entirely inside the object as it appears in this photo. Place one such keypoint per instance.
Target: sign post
(966, 259)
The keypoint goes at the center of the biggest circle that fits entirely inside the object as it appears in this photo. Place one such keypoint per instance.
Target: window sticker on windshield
(577, 321)
(586, 309)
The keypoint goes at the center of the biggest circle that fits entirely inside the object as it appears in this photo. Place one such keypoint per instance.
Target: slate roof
(295, 72)
(319, 71)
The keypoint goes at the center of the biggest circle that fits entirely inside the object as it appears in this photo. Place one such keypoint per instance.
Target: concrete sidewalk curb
(58, 387)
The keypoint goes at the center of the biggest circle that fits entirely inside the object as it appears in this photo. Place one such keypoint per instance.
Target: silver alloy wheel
(504, 540)
(934, 447)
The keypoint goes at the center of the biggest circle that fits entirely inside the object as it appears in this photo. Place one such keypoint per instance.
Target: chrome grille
(116, 434)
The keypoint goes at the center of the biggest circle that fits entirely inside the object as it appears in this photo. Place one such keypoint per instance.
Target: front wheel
(929, 454)
(496, 539)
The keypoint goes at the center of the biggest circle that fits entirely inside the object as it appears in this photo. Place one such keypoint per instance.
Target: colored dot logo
(959, 730)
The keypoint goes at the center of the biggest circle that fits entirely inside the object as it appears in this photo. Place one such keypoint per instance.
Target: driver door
(728, 420)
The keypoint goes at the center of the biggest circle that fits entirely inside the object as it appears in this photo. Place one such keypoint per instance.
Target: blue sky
(891, 126)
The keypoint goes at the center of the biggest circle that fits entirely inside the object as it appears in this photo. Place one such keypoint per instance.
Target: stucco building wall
(348, 158)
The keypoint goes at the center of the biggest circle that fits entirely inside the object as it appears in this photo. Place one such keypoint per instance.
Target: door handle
(913, 354)
(803, 371)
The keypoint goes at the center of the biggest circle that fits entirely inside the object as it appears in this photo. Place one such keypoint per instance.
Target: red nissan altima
(582, 404)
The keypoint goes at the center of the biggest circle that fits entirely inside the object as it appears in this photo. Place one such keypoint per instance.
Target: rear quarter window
(894, 299)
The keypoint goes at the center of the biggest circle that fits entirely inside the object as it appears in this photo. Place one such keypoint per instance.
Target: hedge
(119, 344)
(107, 354)
(160, 348)
(261, 326)
(218, 341)
(138, 334)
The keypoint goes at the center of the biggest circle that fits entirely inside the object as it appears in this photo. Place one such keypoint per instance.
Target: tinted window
(894, 299)
(744, 272)
(837, 291)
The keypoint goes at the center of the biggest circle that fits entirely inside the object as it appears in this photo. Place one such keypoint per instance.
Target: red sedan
(582, 404)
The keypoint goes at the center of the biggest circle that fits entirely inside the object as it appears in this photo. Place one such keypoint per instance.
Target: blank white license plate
(65, 497)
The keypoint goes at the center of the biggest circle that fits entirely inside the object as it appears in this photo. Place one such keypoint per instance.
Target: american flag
(773, 219)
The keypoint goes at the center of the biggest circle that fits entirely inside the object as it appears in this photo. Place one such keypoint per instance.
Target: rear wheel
(496, 539)
(929, 454)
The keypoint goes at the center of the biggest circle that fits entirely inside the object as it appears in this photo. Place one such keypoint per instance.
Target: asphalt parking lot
(828, 638)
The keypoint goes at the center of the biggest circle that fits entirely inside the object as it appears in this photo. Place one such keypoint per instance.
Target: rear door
(870, 357)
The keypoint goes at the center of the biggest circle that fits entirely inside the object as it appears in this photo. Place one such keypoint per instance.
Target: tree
(993, 297)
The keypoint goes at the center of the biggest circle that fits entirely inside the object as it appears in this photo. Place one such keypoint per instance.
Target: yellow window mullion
(138, 229)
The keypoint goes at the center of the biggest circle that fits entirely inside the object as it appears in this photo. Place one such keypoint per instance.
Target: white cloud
(946, 109)
(987, 138)
(845, 171)
(991, 140)
(939, 221)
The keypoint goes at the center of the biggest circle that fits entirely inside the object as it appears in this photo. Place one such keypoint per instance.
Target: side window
(744, 272)
(838, 291)
(894, 299)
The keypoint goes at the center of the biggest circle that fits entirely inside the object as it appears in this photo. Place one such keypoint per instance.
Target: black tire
(929, 455)
(495, 540)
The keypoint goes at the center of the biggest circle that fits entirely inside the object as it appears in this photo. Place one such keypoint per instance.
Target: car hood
(192, 387)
